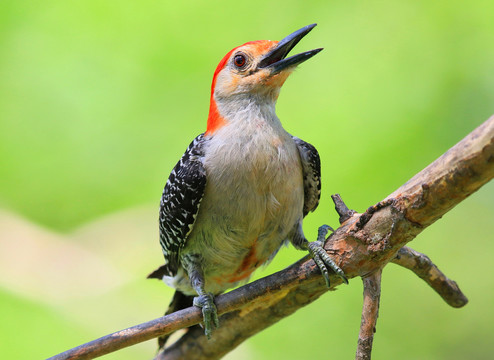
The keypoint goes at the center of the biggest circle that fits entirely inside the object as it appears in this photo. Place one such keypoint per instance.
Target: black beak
(276, 58)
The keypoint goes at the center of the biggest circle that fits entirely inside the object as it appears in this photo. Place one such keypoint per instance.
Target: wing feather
(311, 166)
(180, 202)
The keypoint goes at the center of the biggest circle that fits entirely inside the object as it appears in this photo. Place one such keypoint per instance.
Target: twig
(133, 335)
(341, 208)
(370, 312)
(425, 269)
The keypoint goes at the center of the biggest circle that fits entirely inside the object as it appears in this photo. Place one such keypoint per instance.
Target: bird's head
(254, 71)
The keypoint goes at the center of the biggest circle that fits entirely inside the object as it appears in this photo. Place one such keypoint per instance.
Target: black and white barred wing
(311, 165)
(180, 202)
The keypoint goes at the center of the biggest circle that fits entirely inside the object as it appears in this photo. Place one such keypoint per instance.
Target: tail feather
(163, 270)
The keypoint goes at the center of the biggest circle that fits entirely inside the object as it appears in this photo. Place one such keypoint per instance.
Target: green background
(98, 99)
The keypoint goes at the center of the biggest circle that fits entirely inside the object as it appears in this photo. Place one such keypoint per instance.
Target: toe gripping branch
(321, 257)
(209, 312)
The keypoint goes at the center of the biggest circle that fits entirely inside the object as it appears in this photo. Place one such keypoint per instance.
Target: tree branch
(425, 269)
(361, 246)
(370, 312)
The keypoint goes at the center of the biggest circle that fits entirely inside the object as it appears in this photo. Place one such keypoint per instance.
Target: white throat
(249, 111)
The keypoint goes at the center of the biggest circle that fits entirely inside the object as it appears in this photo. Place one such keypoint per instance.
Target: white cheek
(224, 83)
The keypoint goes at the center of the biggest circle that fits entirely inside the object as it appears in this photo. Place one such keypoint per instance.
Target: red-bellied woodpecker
(243, 187)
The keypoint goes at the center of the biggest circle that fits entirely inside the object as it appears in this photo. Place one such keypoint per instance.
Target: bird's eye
(239, 60)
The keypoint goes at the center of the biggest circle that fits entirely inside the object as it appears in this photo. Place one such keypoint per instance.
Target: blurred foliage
(98, 99)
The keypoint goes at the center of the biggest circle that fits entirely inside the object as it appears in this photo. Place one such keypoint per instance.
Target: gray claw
(321, 257)
(209, 312)
(323, 231)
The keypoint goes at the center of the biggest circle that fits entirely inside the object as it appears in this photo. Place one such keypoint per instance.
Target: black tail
(159, 272)
(179, 301)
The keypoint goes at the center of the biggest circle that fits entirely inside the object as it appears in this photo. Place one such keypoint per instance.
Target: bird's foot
(321, 257)
(209, 312)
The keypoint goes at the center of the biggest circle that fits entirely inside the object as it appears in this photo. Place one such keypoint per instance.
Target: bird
(243, 187)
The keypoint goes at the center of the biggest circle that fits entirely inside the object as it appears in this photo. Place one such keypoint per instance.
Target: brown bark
(361, 246)
(425, 269)
(370, 312)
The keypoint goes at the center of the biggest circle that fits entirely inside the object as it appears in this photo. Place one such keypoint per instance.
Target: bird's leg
(316, 250)
(205, 300)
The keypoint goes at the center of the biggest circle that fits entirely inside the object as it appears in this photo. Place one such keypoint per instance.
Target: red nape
(215, 120)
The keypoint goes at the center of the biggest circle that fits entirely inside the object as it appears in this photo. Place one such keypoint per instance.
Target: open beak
(276, 59)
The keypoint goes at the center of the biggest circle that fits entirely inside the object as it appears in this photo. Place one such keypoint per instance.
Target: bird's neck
(242, 110)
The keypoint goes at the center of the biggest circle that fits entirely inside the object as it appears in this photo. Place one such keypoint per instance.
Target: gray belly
(253, 200)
